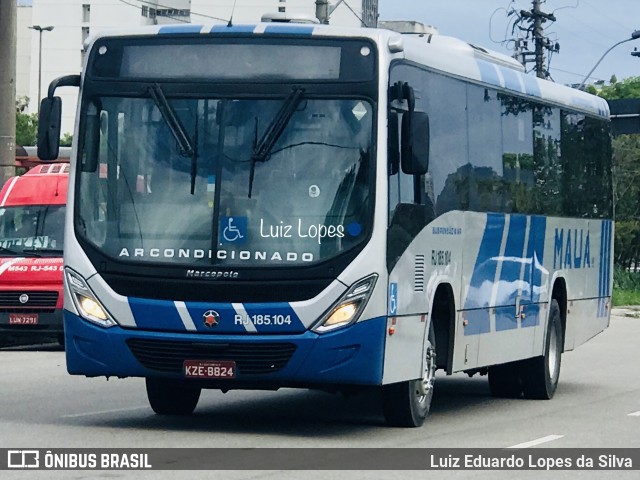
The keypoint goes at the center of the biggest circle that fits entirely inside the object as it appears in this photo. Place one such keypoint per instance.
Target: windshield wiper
(9, 251)
(43, 250)
(18, 253)
(187, 148)
(262, 149)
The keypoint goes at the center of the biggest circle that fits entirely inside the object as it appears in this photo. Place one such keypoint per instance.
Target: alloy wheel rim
(425, 387)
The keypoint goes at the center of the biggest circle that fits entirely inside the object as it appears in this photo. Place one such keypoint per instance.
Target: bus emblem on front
(211, 318)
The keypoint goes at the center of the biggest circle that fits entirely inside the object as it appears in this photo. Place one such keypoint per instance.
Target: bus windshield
(228, 182)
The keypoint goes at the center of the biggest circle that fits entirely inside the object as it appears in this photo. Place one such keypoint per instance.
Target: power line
(568, 6)
(626, 27)
(581, 75)
(143, 2)
(168, 16)
(354, 13)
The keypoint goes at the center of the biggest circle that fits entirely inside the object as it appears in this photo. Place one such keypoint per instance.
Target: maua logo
(572, 248)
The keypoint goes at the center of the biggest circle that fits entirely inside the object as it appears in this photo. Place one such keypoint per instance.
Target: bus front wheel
(172, 397)
(407, 404)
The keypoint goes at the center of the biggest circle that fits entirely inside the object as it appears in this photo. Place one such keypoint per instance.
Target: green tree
(626, 177)
(66, 140)
(627, 88)
(26, 128)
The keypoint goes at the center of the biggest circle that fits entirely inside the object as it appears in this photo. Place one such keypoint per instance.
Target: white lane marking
(185, 316)
(101, 412)
(538, 441)
(634, 414)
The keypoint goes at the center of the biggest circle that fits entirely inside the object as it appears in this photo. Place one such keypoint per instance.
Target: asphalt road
(597, 404)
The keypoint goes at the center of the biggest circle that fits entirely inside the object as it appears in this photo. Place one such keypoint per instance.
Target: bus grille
(10, 301)
(250, 358)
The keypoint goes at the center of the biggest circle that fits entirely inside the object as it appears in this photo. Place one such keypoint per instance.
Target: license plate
(209, 369)
(23, 319)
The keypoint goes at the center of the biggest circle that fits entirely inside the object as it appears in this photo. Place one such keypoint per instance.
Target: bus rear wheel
(407, 404)
(172, 397)
(540, 375)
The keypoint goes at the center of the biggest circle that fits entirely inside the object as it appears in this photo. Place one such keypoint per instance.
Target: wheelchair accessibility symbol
(393, 299)
(233, 230)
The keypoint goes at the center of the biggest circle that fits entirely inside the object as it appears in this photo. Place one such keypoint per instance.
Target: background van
(32, 210)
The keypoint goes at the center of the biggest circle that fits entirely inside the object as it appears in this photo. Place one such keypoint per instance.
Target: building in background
(75, 20)
(23, 49)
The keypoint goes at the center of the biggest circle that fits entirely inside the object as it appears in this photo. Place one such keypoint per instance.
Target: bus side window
(406, 223)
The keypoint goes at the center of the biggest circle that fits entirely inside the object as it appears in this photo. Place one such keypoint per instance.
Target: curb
(632, 311)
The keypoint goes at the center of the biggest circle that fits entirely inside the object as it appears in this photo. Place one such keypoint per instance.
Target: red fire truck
(32, 210)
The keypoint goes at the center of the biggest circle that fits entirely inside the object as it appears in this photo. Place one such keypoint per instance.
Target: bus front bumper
(349, 356)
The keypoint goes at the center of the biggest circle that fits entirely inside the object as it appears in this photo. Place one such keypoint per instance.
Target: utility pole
(40, 29)
(8, 13)
(322, 11)
(536, 18)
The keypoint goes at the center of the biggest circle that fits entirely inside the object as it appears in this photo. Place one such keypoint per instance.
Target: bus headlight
(86, 302)
(349, 307)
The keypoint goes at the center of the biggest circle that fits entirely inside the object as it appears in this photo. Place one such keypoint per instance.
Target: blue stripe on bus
(484, 271)
(531, 86)
(604, 284)
(509, 282)
(155, 314)
(527, 289)
(226, 323)
(532, 312)
(601, 268)
(609, 256)
(288, 30)
(286, 322)
(163, 315)
(489, 73)
(584, 103)
(607, 269)
(184, 29)
(283, 317)
(609, 259)
(511, 79)
(234, 29)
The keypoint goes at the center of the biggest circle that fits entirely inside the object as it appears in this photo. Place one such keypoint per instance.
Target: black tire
(540, 375)
(60, 338)
(172, 397)
(407, 404)
(504, 380)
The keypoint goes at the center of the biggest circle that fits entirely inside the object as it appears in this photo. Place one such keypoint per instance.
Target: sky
(585, 30)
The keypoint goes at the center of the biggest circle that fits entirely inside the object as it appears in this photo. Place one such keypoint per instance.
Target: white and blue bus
(288, 205)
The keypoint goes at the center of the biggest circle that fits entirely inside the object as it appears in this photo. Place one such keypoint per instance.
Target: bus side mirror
(49, 128)
(393, 144)
(415, 143)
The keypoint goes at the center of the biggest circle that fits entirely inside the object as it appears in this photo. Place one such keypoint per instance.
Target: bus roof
(444, 54)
